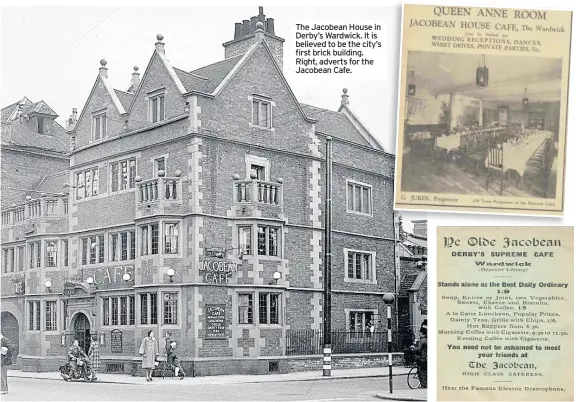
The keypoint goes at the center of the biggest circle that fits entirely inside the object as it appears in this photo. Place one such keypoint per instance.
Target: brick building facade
(196, 207)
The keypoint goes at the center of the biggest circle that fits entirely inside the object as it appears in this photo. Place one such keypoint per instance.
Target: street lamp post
(388, 300)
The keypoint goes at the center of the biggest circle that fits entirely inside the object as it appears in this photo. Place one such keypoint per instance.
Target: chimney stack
(345, 101)
(160, 44)
(72, 119)
(135, 79)
(103, 70)
(251, 31)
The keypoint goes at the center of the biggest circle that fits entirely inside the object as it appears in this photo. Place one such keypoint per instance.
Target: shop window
(359, 198)
(360, 265)
(51, 315)
(51, 253)
(87, 183)
(268, 308)
(245, 308)
(171, 238)
(170, 308)
(122, 174)
(149, 239)
(148, 309)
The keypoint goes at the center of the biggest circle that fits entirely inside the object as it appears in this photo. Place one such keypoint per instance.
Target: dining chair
(495, 164)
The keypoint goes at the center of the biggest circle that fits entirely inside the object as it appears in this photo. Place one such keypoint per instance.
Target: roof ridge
(126, 92)
(192, 74)
(321, 108)
(217, 62)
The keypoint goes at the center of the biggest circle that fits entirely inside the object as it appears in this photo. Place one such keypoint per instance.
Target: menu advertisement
(505, 322)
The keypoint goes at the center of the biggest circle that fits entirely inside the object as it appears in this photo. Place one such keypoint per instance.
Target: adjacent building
(195, 205)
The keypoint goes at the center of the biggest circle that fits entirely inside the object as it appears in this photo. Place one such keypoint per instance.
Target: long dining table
(517, 155)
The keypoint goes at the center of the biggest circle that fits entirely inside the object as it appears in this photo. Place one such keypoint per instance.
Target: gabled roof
(361, 128)
(192, 82)
(39, 107)
(416, 240)
(336, 124)
(125, 98)
(113, 95)
(19, 132)
(216, 72)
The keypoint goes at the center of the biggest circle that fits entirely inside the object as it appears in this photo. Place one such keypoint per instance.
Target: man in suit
(7, 350)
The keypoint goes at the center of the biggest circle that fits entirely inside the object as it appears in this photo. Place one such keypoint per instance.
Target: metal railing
(161, 188)
(310, 342)
(263, 192)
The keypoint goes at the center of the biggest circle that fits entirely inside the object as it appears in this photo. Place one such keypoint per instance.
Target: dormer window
(157, 108)
(261, 112)
(99, 126)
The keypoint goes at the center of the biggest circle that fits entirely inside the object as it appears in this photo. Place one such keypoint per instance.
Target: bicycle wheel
(413, 380)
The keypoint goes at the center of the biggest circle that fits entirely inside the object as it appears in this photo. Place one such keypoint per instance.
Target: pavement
(229, 379)
(404, 395)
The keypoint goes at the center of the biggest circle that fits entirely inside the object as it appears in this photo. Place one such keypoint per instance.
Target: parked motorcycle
(83, 371)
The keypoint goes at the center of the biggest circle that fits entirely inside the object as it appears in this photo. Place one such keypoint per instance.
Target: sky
(53, 53)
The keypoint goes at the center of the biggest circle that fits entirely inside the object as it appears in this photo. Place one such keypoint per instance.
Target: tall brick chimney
(250, 31)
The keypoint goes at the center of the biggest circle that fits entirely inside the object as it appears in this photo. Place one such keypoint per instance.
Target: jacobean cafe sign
(217, 271)
(103, 276)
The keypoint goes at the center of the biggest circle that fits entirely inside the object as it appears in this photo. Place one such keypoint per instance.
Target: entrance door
(82, 331)
(10, 330)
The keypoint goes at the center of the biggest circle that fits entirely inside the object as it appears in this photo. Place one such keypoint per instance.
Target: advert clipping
(505, 313)
(482, 109)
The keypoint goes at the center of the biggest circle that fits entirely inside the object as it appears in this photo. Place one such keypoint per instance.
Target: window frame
(83, 190)
(116, 176)
(148, 309)
(178, 236)
(117, 255)
(35, 254)
(54, 258)
(99, 130)
(157, 113)
(349, 311)
(256, 103)
(255, 308)
(34, 309)
(175, 305)
(148, 243)
(372, 268)
(54, 313)
(362, 186)
(86, 249)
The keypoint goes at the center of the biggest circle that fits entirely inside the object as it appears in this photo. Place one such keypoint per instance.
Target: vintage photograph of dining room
(482, 125)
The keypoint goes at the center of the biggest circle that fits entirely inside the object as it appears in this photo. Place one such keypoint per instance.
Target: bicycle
(413, 379)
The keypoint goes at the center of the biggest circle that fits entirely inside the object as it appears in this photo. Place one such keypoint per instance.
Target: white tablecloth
(448, 142)
(516, 156)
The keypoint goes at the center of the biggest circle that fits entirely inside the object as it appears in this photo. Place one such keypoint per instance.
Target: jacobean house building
(196, 207)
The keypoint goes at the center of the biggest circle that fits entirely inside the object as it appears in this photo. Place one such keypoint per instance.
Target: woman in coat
(94, 354)
(149, 352)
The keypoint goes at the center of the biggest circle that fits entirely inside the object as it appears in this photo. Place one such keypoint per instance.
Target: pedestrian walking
(94, 354)
(7, 351)
(421, 352)
(149, 352)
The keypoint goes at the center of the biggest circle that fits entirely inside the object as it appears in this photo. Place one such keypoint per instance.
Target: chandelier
(525, 98)
(411, 83)
(482, 73)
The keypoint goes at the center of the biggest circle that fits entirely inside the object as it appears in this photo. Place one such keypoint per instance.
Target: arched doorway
(81, 328)
(10, 330)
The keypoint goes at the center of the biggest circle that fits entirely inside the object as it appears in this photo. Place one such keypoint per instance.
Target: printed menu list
(505, 313)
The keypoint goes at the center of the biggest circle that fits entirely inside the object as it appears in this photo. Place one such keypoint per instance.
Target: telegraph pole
(327, 359)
